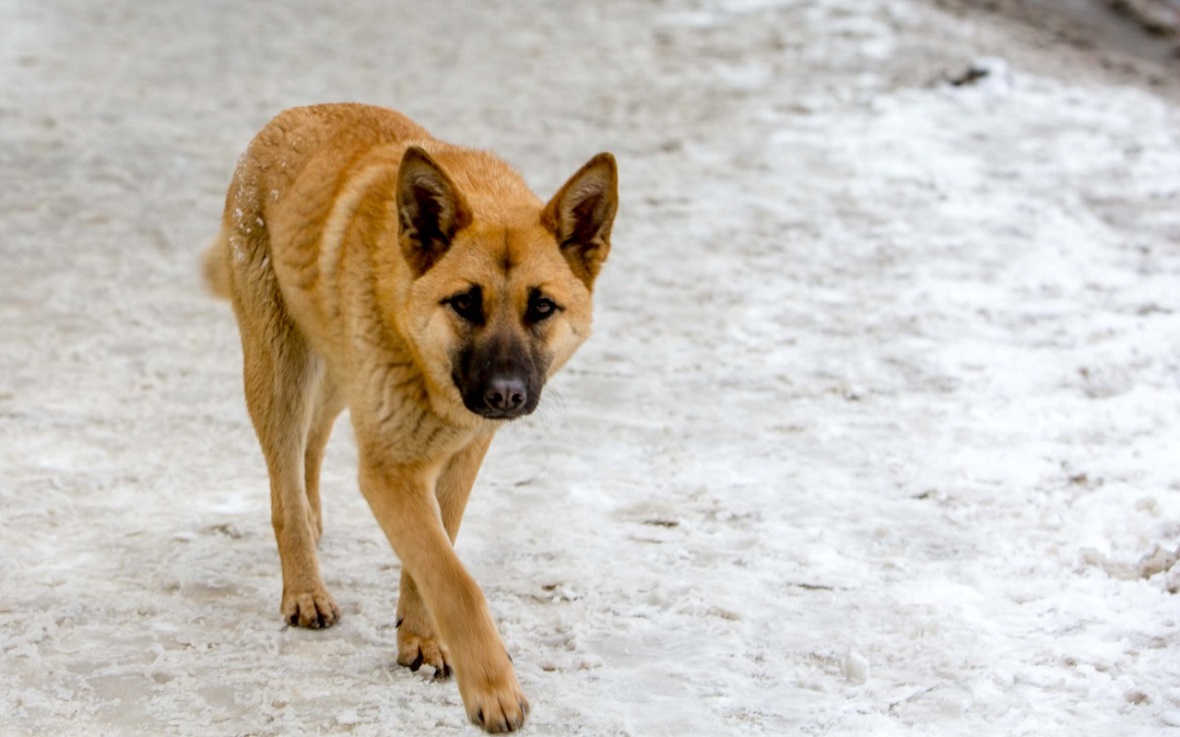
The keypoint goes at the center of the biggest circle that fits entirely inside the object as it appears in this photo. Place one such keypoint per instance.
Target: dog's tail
(215, 268)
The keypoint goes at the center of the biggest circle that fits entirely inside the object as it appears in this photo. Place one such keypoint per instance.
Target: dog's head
(501, 285)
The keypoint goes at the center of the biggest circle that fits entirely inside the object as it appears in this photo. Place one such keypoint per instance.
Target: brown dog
(425, 288)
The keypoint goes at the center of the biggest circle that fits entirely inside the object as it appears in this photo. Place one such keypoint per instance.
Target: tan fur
(341, 304)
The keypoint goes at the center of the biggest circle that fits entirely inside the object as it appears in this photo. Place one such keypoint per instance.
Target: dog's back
(324, 137)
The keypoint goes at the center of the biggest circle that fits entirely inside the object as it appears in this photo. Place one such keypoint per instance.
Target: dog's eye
(540, 308)
(467, 305)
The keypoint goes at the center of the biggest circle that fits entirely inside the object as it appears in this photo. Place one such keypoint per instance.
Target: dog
(426, 289)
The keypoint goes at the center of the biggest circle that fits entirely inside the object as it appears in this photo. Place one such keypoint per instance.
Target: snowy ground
(878, 433)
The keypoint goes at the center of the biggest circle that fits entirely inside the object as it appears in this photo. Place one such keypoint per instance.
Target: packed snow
(878, 432)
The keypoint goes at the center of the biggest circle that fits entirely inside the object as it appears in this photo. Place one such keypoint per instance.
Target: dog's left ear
(430, 210)
(580, 216)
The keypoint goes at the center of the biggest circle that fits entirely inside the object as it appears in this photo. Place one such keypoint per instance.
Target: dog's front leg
(403, 500)
(418, 642)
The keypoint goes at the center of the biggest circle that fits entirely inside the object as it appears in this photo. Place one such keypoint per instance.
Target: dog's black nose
(505, 394)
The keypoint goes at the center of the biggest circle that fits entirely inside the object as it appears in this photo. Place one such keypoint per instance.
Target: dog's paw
(415, 650)
(496, 704)
(311, 609)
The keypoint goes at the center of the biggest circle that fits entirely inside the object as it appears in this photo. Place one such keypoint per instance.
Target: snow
(877, 433)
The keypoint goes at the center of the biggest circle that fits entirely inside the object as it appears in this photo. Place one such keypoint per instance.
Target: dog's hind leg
(328, 405)
(283, 377)
(417, 639)
(281, 373)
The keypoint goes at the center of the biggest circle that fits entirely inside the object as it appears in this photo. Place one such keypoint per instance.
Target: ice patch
(855, 667)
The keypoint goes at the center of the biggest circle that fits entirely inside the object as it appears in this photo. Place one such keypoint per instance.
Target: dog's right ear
(430, 210)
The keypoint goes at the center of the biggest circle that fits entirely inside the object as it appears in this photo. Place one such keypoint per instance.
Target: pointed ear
(430, 210)
(580, 216)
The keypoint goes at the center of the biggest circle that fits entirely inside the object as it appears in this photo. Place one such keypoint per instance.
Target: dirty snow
(878, 432)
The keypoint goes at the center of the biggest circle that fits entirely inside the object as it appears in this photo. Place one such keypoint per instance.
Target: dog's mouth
(503, 397)
(499, 377)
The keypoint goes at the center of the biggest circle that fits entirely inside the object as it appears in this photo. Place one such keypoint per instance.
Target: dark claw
(443, 673)
(510, 660)
(293, 620)
(479, 717)
(399, 622)
(417, 662)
